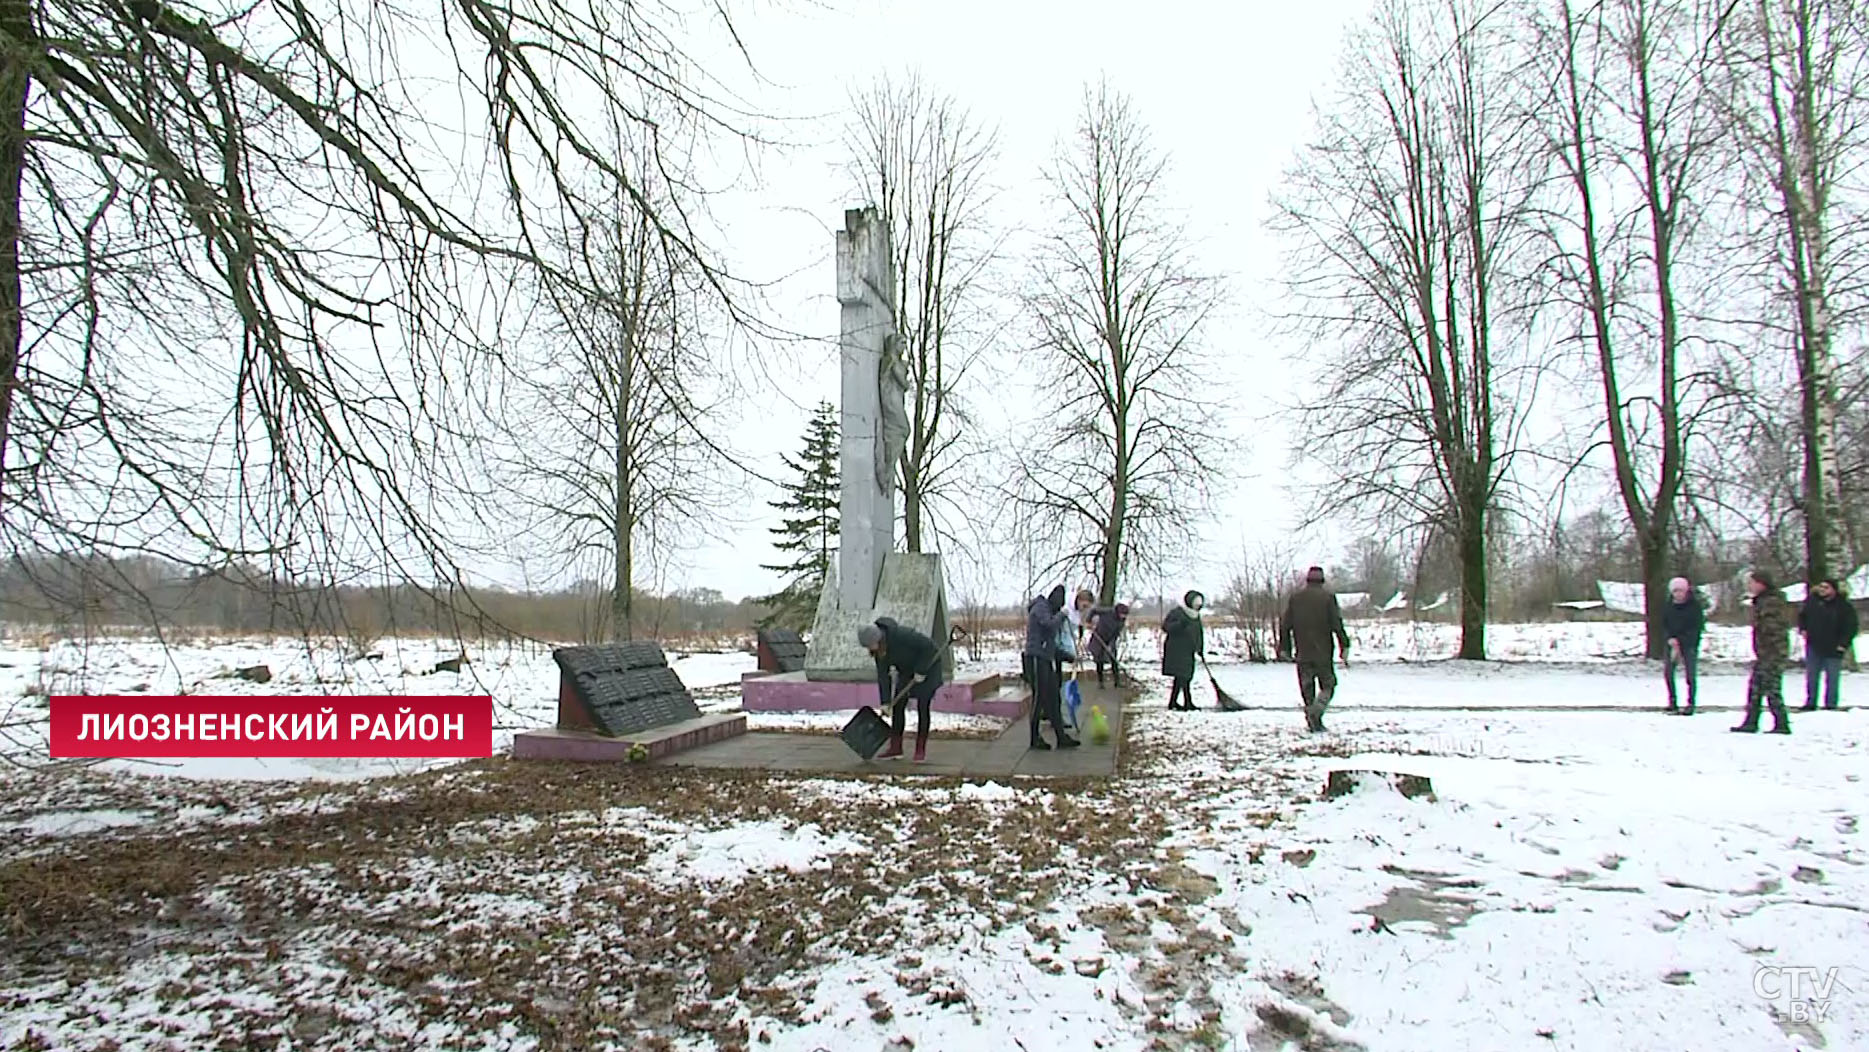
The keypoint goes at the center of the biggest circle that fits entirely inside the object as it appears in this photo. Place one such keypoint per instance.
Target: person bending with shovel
(917, 666)
(1312, 621)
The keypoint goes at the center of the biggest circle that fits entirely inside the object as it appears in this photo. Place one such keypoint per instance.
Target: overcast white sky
(1226, 90)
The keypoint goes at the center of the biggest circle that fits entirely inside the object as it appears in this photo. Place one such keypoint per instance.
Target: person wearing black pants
(1106, 629)
(1183, 641)
(1040, 659)
(916, 663)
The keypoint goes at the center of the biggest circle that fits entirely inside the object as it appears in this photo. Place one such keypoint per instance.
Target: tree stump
(1343, 782)
(254, 674)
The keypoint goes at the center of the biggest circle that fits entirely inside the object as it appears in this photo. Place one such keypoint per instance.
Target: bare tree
(1402, 220)
(1628, 117)
(1800, 102)
(1263, 578)
(925, 162)
(1117, 457)
(245, 303)
(609, 429)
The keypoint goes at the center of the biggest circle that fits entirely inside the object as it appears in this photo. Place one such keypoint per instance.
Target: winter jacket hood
(1183, 640)
(1041, 627)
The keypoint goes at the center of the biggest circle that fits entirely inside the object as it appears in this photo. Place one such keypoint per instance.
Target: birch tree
(926, 164)
(1120, 445)
(1401, 222)
(1800, 102)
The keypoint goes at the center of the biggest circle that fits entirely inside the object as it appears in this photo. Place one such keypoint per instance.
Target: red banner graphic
(349, 727)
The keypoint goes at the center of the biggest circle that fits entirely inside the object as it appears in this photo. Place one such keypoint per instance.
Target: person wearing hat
(1043, 618)
(1106, 630)
(1827, 622)
(1311, 622)
(916, 663)
(1183, 640)
(1771, 648)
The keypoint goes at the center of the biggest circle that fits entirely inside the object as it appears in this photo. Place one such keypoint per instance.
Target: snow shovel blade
(865, 733)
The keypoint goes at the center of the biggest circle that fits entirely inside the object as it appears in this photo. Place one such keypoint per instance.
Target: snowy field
(1588, 875)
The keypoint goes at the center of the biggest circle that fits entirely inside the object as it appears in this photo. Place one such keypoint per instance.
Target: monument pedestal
(985, 695)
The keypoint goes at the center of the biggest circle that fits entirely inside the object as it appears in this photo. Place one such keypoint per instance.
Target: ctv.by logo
(1804, 989)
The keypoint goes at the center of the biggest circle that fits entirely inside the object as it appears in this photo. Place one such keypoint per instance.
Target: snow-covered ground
(1582, 878)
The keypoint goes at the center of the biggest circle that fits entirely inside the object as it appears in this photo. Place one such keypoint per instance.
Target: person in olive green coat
(1183, 641)
(1771, 648)
(1312, 621)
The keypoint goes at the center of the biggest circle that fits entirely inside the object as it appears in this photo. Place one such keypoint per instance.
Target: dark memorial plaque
(781, 650)
(624, 688)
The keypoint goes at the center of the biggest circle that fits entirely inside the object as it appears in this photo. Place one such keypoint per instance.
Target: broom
(1224, 700)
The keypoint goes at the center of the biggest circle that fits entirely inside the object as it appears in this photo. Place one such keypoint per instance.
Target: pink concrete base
(553, 743)
(792, 692)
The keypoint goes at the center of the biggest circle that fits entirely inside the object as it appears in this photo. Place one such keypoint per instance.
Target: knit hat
(1315, 575)
(869, 635)
(1680, 583)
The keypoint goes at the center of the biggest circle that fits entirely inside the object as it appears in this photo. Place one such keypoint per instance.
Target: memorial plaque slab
(623, 688)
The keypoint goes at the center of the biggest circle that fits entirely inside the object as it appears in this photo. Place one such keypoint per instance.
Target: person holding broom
(1106, 633)
(1044, 619)
(1311, 621)
(1183, 641)
(917, 666)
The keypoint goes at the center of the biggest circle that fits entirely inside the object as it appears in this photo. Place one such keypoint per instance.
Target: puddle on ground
(1428, 902)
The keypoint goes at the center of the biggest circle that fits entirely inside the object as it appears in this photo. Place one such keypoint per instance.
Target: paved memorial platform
(1006, 756)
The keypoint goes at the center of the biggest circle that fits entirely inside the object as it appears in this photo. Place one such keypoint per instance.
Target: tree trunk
(1472, 543)
(622, 589)
(1655, 575)
(911, 505)
(15, 82)
(1119, 512)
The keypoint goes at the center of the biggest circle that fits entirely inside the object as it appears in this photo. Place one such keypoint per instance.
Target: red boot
(921, 749)
(894, 750)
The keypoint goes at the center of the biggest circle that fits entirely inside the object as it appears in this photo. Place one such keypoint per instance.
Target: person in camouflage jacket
(1771, 648)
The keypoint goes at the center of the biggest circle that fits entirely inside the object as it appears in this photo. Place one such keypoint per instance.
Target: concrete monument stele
(871, 579)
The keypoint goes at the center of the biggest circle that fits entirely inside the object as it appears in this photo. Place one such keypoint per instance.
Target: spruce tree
(808, 531)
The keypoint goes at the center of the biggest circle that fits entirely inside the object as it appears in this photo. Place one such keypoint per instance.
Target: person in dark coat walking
(916, 663)
(1827, 622)
(1106, 633)
(1771, 646)
(1683, 621)
(1312, 621)
(1183, 640)
(1042, 619)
